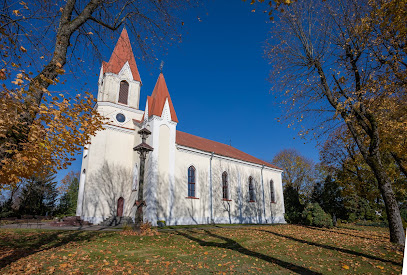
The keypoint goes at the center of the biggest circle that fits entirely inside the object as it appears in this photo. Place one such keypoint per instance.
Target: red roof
(157, 99)
(122, 53)
(218, 148)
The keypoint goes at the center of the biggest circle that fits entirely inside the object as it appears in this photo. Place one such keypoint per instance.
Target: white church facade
(188, 179)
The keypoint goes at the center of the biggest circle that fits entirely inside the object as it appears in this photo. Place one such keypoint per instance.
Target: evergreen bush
(293, 205)
(293, 217)
(314, 215)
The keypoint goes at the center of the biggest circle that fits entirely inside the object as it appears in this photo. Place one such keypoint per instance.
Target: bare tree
(328, 60)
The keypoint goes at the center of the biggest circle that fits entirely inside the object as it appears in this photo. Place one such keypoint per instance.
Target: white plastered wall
(160, 165)
(276, 211)
(108, 175)
(163, 169)
(190, 210)
(237, 209)
(108, 169)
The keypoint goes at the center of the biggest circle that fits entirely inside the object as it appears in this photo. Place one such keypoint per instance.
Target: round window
(120, 117)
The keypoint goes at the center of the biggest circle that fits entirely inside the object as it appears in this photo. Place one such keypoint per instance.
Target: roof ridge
(208, 139)
(233, 152)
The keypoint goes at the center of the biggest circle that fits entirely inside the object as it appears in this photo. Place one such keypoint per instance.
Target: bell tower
(119, 79)
(109, 157)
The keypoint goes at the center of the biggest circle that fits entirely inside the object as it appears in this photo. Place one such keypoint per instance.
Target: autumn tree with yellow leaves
(341, 157)
(345, 63)
(298, 170)
(40, 42)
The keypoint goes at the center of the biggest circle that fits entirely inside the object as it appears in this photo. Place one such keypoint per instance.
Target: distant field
(250, 249)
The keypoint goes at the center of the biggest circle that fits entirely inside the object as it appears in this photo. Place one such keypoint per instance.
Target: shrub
(314, 215)
(352, 217)
(293, 217)
(293, 205)
(372, 223)
(6, 214)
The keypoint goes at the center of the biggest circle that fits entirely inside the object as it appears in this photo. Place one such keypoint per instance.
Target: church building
(188, 179)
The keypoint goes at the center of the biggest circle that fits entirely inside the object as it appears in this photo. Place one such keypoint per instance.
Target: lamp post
(143, 149)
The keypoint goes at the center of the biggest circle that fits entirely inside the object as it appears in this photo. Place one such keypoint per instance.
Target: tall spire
(122, 53)
(157, 99)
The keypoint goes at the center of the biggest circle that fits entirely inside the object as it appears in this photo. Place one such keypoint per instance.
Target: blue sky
(217, 79)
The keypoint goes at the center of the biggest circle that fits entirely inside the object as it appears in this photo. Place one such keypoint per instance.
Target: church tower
(119, 79)
(109, 164)
(160, 118)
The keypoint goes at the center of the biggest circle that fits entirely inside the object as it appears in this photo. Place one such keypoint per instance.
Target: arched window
(225, 189)
(251, 190)
(272, 195)
(191, 181)
(124, 92)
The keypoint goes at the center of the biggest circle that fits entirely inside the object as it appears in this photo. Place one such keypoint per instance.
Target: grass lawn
(250, 249)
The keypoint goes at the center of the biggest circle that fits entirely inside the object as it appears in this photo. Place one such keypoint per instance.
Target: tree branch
(116, 24)
(399, 163)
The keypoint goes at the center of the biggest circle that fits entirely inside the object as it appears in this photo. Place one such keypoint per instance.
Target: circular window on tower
(120, 117)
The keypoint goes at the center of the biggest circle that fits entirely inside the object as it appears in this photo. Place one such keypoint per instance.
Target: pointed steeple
(160, 95)
(122, 53)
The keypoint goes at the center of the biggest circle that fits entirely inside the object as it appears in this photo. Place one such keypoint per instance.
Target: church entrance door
(120, 203)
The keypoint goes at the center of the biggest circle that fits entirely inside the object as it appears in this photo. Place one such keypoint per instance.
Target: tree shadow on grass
(375, 238)
(26, 245)
(233, 245)
(343, 250)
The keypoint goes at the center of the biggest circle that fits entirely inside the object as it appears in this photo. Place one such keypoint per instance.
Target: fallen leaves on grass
(145, 230)
(260, 249)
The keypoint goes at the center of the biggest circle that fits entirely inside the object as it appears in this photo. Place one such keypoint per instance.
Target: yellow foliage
(52, 139)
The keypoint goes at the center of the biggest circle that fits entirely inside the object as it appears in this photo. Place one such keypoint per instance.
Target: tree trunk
(390, 202)
(371, 155)
(366, 121)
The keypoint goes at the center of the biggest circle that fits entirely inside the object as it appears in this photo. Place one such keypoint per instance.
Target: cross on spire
(161, 66)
